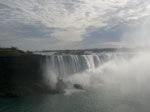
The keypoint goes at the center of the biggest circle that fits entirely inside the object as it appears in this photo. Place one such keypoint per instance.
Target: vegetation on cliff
(13, 51)
(21, 73)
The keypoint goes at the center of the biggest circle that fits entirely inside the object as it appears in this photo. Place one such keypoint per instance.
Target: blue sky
(74, 24)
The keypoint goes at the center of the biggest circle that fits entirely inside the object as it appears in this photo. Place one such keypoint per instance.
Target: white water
(123, 71)
(84, 69)
(125, 76)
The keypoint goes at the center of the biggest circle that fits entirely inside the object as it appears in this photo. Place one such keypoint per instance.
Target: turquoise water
(82, 101)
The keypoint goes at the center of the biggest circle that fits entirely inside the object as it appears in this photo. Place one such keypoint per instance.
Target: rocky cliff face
(22, 75)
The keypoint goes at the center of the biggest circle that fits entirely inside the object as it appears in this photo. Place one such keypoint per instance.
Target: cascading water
(122, 78)
(69, 67)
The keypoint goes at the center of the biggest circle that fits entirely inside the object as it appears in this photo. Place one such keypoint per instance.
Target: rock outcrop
(77, 86)
(22, 75)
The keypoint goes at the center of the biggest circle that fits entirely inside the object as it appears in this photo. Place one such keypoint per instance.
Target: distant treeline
(13, 51)
(9, 48)
(16, 51)
(86, 51)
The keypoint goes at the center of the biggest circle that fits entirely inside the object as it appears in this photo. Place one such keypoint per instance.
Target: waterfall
(63, 66)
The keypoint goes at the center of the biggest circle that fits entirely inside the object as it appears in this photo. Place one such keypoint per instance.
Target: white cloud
(85, 13)
(68, 35)
(112, 44)
(71, 18)
(140, 35)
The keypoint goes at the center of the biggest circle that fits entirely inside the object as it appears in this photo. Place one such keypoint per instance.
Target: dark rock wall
(21, 75)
